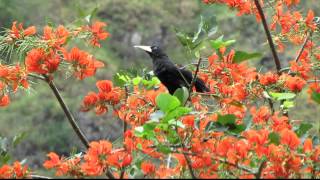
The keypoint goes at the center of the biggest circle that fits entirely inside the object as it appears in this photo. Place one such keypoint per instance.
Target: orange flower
(55, 38)
(4, 100)
(188, 120)
(96, 158)
(307, 146)
(98, 33)
(84, 65)
(261, 115)
(120, 159)
(309, 20)
(20, 172)
(291, 2)
(295, 84)
(89, 101)
(104, 86)
(53, 162)
(38, 61)
(269, 78)
(5, 172)
(147, 168)
(290, 138)
(19, 32)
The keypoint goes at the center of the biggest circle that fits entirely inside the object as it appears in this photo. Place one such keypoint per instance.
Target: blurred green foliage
(130, 23)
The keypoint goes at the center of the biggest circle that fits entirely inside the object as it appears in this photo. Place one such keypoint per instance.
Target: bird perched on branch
(169, 74)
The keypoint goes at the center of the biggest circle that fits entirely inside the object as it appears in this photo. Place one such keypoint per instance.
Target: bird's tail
(201, 86)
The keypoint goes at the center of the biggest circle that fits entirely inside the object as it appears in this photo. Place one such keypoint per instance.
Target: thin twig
(193, 80)
(267, 31)
(303, 46)
(259, 172)
(36, 77)
(189, 166)
(67, 112)
(33, 176)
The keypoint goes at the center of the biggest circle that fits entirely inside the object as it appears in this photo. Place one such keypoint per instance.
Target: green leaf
(182, 94)
(219, 43)
(210, 26)
(238, 128)
(200, 27)
(176, 113)
(184, 39)
(164, 149)
(176, 123)
(288, 104)
(303, 129)
(146, 131)
(240, 56)
(18, 138)
(121, 79)
(282, 96)
(316, 97)
(136, 80)
(226, 119)
(166, 102)
(274, 138)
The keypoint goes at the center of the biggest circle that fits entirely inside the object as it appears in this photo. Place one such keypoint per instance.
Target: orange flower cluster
(16, 171)
(20, 32)
(94, 162)
(107, 95)
(41, 62)
(83, 64)
(137, 108)
(98, 33)
(230, 80)
(46, 58)
(11, 77)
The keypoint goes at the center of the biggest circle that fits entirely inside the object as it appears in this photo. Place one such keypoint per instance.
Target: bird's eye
(155, 48)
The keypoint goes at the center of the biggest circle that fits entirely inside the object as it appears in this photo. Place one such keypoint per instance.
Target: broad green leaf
(303, 129)
(282, 96)
(146, 131)
(274, 138)
(316, 97)
(238, 128)
(136, 80)
(219, 43)
(166, 102)
(176, 113)
(164, 149)
(226, 119)
(288, 104)
(240, 56)
(182, 94)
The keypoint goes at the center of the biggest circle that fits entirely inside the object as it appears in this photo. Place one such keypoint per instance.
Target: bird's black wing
(199, 84)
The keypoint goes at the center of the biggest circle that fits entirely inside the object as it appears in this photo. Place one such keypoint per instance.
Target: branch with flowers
(241, 129)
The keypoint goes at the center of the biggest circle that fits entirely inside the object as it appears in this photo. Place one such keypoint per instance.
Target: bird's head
(153, 51)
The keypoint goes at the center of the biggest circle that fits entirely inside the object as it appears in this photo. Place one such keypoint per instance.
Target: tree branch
(67, 112)
(193, 80)
(267, 31)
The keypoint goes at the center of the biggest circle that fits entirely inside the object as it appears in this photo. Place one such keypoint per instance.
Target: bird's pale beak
(145, 48)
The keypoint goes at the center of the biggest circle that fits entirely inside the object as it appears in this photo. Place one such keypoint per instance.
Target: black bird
(169, 74)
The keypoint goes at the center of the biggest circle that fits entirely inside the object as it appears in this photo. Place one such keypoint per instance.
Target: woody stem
(268, 34)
